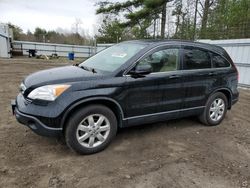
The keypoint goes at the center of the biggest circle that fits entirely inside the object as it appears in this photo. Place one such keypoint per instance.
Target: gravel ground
(177, 153)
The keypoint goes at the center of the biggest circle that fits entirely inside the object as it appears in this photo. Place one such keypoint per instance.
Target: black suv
(131, 83)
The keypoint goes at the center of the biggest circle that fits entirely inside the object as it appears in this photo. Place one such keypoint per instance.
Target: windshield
(113, 57)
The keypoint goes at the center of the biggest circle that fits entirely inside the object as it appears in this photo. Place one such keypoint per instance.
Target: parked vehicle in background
(131, 83)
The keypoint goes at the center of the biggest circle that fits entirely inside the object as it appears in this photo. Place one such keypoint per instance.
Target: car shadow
(181, 123)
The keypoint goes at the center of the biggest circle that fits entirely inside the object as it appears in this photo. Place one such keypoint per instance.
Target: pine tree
(139, 13)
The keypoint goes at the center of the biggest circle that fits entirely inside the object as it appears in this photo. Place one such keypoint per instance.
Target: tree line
(178, 19)
(42, 35)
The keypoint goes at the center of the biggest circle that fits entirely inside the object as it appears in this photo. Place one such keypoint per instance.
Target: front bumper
(33, 123)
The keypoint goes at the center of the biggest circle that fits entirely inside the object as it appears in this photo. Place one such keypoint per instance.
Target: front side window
(113, 57)
(162, 60)
(195, 58)
(219, 61)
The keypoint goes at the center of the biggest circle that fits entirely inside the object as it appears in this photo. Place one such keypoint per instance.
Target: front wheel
(91, 129)
(215, 110)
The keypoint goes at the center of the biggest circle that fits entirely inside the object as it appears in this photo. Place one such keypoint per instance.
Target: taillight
(238, 76)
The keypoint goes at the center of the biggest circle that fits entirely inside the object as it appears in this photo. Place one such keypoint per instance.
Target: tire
(83, 131)
(208, 117)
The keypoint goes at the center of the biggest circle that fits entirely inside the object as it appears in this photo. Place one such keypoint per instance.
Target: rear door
(198, 77)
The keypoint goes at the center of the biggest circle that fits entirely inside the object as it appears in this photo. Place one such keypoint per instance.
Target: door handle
(211, 74)
(174, 76)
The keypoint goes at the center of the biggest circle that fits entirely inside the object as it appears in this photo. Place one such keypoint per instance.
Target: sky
(58, 15)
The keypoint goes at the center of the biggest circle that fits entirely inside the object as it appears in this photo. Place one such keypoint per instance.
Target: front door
(158, 93)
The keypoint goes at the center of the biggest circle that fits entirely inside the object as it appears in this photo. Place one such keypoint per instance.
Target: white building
(5, 38)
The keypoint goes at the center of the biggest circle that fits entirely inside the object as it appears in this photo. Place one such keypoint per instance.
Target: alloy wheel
(93, 130)
(217, 109)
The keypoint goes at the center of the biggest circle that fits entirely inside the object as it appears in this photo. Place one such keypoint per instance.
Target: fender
(223, 88)
(66, 113)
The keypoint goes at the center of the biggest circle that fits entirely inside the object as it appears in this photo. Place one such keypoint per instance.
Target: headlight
(48, 92)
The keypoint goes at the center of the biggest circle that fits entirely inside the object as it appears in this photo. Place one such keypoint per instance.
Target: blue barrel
(71, 56)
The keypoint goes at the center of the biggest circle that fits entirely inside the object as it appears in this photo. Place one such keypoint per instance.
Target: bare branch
(138, 22)
(202, 6)
(211, 3)
(199, 13)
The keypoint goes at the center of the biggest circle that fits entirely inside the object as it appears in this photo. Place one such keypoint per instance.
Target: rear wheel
(91, 129)
(215, 110)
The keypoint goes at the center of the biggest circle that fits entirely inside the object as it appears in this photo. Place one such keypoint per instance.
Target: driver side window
(163, 60)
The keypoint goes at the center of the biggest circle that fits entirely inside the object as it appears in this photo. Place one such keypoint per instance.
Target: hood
(59, 75)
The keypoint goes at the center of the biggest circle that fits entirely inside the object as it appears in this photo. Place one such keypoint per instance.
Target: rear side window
(219, 61)
(196, 58)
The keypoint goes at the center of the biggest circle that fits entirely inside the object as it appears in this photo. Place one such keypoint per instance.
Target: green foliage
(230, 19)
(17, 31)
(137, 13)
(42, 35)
(222, 19)
(115, 8)
(217, 19)
(154, 4)
(110, 31)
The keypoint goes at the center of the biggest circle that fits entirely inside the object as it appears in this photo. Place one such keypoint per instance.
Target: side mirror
(141, 70)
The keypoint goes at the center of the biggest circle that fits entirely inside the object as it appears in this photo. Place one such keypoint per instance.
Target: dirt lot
(178, 153)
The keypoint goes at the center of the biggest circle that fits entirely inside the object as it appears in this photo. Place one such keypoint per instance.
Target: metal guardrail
(51, 48)
(59, 49)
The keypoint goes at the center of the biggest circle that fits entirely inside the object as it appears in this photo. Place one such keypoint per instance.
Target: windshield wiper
(87, 68)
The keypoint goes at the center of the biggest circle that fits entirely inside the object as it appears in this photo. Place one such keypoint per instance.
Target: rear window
(196, 58)
(219, 61)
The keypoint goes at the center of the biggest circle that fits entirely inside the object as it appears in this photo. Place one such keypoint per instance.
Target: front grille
(50, 122)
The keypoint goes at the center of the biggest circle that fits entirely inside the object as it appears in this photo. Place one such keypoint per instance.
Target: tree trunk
(195, 19)
(163, 20)
(177, 25)
(205, 18)
(154, 28)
